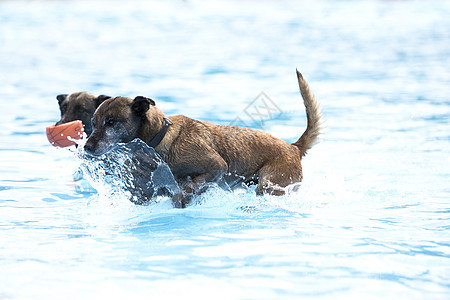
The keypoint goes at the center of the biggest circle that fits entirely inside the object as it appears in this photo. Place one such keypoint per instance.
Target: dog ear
(99, 100)
(141, 105)
(61, 98)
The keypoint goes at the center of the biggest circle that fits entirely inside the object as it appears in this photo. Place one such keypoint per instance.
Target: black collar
(154, 142)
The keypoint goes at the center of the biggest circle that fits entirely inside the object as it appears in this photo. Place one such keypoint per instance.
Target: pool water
(371, 219)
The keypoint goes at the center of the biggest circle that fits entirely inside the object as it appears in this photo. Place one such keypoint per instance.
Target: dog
(79, 106)
(201, 152)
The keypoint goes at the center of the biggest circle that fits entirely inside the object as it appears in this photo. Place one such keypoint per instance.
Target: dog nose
(88, 148)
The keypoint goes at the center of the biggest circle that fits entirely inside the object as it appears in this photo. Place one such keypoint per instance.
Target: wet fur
(200, 152)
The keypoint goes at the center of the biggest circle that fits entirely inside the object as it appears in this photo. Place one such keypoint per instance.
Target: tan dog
(200, 152)
(79, 106)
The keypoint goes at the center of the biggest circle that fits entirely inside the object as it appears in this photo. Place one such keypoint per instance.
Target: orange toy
(58, 134)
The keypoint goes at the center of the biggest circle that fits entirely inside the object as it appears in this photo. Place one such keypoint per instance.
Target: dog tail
(313, 115)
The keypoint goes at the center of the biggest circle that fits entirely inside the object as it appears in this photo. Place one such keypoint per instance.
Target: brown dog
(79, 106)
(200, 152)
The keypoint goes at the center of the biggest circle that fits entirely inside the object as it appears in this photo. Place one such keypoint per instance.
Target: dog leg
(180, 200)
(268, 187)
(274, 177)
(203, 169)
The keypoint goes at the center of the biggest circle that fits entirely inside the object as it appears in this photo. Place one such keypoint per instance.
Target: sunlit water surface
(371, 219)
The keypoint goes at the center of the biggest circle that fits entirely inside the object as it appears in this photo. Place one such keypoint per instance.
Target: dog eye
(109, 122)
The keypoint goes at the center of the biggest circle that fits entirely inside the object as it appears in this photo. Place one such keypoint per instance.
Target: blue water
(371, 219)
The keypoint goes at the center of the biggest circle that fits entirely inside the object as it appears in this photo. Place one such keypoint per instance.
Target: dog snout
(94, 146)
(62, 121)
(89, 147)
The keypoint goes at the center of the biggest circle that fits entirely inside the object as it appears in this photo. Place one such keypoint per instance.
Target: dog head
(121, 120)
(79, 106)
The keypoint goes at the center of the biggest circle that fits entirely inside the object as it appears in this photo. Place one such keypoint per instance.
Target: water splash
(133, 171)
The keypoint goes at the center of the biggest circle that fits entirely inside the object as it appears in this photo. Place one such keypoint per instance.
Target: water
(371, 219)
(132, 171)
